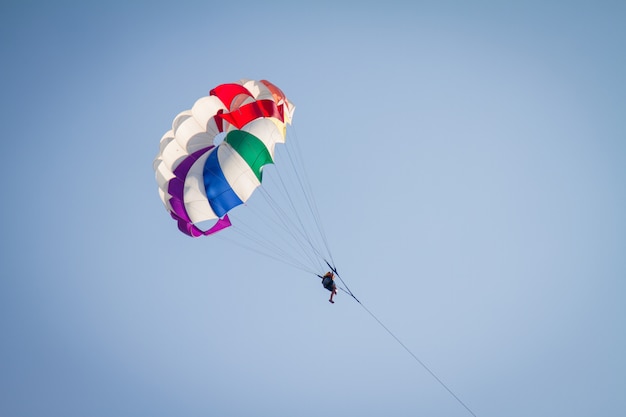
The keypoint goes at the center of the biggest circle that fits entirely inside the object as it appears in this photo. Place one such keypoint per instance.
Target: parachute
(212, 159)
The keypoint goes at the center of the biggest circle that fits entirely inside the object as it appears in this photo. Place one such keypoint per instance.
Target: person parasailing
(328, 281)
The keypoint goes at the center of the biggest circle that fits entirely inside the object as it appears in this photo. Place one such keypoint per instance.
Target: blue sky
(469, 162)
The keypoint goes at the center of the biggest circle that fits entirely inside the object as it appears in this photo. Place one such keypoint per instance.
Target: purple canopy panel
(176, 189)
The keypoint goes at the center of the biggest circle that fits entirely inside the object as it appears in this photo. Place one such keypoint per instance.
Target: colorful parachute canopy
(200, 179)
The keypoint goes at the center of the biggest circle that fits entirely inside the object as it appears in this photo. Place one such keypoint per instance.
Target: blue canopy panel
(219, 192)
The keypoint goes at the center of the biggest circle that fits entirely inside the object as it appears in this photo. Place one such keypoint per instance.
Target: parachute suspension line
(285, 260)
(296, 213)
(305, 185)
(296, 221)
(298, 235)
(278, 219)
(271, 249)
(269, 239)
(263, 246)
(295, 227)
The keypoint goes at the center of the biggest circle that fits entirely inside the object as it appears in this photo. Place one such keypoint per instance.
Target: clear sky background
(469, 159)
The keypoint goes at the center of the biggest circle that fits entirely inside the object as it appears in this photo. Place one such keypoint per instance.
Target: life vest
(327, 282)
